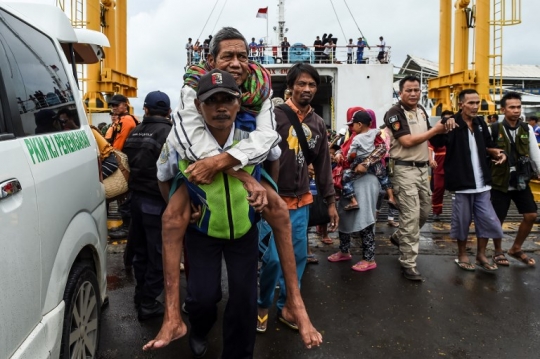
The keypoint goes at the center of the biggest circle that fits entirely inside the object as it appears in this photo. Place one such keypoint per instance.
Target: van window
(38, 79)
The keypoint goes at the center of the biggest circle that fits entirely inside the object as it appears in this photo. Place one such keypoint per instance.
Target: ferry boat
(368, 84)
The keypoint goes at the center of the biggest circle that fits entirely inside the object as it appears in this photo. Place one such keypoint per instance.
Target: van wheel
(80, 333)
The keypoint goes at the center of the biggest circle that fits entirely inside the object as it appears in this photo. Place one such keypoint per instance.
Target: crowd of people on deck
(239, 174)
(324, 51)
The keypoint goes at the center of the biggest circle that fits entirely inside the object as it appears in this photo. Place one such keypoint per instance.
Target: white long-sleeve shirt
(189, 138)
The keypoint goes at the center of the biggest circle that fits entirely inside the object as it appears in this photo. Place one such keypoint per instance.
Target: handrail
(272, 54)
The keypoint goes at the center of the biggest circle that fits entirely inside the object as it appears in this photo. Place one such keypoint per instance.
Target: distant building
(524, 79)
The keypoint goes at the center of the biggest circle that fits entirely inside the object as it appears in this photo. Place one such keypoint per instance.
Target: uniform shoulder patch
(393, 119)
(164, 155)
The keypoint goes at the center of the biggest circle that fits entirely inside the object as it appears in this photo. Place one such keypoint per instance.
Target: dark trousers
(145, 238)
(204, 289)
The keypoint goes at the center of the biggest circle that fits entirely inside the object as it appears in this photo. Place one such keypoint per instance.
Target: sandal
(311, 259)
(291, 325)
(486, 266)
(364, 266)
(468, 266)
(500, 259)
(351, 207)
(262, 323)
(339, 256)
(393, 224)
(523, 258)
(327, 240)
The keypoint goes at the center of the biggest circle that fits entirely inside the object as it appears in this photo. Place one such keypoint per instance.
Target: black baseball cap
(117, 99)
(217, 81)
(157, 100)
(360, 117)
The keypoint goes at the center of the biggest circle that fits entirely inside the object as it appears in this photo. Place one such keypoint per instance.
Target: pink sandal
(339, 256)
(364, 266)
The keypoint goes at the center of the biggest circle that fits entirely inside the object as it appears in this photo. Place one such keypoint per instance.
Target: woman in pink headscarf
(362, 221)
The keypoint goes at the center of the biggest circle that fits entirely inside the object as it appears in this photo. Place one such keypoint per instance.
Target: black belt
(410, 163)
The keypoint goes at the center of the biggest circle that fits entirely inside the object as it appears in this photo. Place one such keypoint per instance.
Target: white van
(53, 231)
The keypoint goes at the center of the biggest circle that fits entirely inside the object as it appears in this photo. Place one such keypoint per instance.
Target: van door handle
(9, 188)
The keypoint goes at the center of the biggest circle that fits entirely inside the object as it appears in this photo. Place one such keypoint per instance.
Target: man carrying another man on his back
(190, 139)
(213, 237)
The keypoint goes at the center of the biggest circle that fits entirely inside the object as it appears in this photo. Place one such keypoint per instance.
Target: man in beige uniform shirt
(410, 128)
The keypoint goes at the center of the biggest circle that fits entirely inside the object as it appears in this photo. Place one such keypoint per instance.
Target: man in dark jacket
(143, 147)
(467, 172)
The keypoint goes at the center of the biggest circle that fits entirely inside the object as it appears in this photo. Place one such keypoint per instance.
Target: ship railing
(270, 54)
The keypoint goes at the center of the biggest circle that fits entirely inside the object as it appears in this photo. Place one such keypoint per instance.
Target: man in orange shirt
(126, 122)
(121, 130)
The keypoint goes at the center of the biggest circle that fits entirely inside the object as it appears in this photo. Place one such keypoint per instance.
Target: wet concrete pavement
(376, 314)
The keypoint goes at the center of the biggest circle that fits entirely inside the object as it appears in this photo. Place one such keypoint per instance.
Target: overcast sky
(158, 31)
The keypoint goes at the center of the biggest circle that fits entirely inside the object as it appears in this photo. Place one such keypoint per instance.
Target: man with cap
(360, 45)
(189, 139)
(143, 147)
(121, 129)
(126, 122)
(227, 229)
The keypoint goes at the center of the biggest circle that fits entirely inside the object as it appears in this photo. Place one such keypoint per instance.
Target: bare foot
(169, 332)
(310, 336)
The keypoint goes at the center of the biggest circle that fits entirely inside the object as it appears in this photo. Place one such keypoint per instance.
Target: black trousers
(145, 239)
(204, 289)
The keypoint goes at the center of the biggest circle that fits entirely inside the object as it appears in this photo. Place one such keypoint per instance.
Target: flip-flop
(463, 265)
(327, 241)
(311, 259)
(393, 224)
(486, 266)
(339, 256)
(351, 207)
(260, 322)
(291, 325)
(530, 262)
(498, 259)
(364, 266)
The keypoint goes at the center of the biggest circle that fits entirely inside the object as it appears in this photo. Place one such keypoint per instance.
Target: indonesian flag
(263, 13)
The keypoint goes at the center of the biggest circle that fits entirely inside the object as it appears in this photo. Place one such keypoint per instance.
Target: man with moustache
(410, 131)
(467, 173)
(293, 183)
